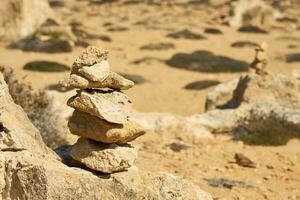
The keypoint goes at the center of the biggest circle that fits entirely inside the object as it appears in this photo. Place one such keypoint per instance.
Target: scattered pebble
(244, 161)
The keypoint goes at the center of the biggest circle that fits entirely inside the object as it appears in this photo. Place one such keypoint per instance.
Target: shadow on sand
(201, 85)
(46, 66)
(205, 61)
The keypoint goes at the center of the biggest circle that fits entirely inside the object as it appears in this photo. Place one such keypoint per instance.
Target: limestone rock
(267, 123)
(217, 121)
(98, 72)
(175, 126)
(91, 127)
(106, 158)
(26, 177)
(19, 19)
(219, 96)
(110, 106)
(30, 170)
(254, 88)
(113, 81)
(252, 13)
(17, 132)
(279, 88)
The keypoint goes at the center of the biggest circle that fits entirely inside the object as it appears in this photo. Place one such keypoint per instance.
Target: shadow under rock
(59, 87)
(186, 34)
(244, 44)
(252, 29)
(118, 29)
(205, 61)
(46, 66)
(213, 31)
(146, 60)
(158, 46)
(102, 1)
(63, 153)
(137, 79)
(200, 85)
(292, 57)
(258, 133)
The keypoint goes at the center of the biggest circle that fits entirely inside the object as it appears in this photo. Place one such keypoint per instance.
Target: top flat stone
(91, 70)
(90, 56)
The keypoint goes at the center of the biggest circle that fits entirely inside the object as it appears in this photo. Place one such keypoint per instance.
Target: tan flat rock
(112, 106)
(113, 81)
(88, 126)
(106, 158)
(98, 72)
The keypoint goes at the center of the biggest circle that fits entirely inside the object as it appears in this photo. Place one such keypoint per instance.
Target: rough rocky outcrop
(220, 95)
(260, 110)
(252, 13)
(25, 177)
(18, 19)
(30, 170)
(17, 132)
(253, 88)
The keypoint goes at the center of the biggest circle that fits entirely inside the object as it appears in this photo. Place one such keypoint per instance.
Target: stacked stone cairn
(102, 115)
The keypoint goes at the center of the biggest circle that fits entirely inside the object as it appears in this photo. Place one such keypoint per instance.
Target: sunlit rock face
(20, 18)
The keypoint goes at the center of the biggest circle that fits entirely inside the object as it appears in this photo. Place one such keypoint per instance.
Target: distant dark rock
(82, 34)
(287, 19)
(226, 183)
(46, 66)
(292, 46)
(244, 161)
(50, 22)
(108, 24)
(213, 31)
(59, 87)
(82, 43)
(292, 57)
(186, 34)
(146, 60)
(289, 38)
(178, 146)
(56, 3)
(205, 61)
(47, 46)
(117, 29)
(200, 85)
(137, 79)
(252, 29)
(244, 44)
(158, 46)
(102, 1)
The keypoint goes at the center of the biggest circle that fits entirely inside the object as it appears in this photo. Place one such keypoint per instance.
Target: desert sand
(163, 87)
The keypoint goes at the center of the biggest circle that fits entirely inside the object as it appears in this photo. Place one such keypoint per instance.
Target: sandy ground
(277, 175)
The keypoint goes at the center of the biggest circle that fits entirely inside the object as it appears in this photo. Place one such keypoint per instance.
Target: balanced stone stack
(102, 115)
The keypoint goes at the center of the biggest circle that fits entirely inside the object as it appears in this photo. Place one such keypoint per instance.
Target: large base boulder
(23, 176)
(106, 158)
(30, 170)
